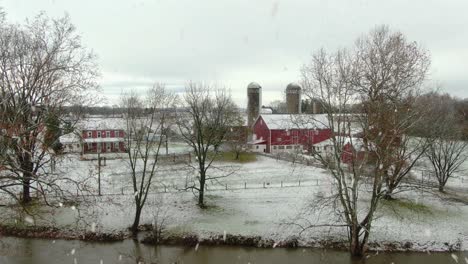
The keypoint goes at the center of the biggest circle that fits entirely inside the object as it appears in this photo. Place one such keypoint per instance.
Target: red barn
(285, 132)
(103, 136)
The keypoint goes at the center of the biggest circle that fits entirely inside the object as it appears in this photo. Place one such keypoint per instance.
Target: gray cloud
(236, 42)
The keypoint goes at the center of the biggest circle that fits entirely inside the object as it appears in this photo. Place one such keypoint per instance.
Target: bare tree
(43, 67)
(447, 150)
(145, 125)
(209, 114)
(379, 74)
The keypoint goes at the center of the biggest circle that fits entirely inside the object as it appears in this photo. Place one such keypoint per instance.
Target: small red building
(285, 133)
(103, 136)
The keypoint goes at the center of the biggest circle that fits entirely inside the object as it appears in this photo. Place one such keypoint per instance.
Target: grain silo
(254, 102)
(293, 98)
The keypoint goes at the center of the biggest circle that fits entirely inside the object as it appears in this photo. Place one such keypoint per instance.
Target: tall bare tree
(209, 114)
(379, 74)
(146, 121)
(43, 67)
(447, 150)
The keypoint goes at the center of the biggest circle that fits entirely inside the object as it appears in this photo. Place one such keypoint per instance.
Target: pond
(44, 251)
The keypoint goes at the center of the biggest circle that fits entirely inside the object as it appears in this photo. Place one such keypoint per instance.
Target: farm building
(96, 135)
(352, 149)
(103, 135)
(287, 133)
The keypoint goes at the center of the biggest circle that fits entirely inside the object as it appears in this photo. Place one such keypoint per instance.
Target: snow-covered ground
(259, 198)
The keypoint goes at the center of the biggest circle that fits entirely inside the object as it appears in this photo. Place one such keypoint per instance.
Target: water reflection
(25, 251)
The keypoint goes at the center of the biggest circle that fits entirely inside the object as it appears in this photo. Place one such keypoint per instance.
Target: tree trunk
(27, 167)
(201, 192)
(136, 222)
(356, 248)
(441, 188)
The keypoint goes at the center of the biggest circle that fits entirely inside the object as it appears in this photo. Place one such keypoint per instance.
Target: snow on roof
(69, 138)
(294, 121)
(101, 124)
(266, 111)
(97, 140)
(257, 141)
(357, 143)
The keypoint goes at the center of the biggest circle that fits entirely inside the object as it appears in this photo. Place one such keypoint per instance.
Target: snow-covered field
(258, 198)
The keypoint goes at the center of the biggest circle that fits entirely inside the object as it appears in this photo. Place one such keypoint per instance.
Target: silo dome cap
(254, 85)
(293, 86)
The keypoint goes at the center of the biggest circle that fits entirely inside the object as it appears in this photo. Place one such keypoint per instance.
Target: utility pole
(99, 174)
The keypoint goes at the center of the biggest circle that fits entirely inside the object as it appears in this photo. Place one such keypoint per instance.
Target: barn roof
(101, 124)
(294, 121)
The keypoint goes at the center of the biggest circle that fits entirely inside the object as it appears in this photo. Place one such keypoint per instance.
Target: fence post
(263, 184)
(245, 185)
(299, 182)
(281, 184)
(316, 182)
(165, 188)
(121, 189)
(226, 186)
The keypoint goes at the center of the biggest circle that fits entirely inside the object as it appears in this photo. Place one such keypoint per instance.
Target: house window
(90, 134)
(90, 146)
(256, 147)
(99, 146)
(116, 133)
(107, 134)
(99, 134)
(274, 147)
(288, 147)
(116, 145)
(108, 146)
(280, 147)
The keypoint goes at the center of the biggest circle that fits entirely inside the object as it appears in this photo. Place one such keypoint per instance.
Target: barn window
(280, 147)
(90, 134)
(90, 146)
(107, 133)
(256, 147)
(99, 134)
(274, 147)
(116, 133)
(116, 145)
(288, 147)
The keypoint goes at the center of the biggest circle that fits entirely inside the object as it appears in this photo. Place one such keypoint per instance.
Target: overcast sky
(234, 42)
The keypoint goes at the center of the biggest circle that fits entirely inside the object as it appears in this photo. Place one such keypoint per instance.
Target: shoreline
(193, 240)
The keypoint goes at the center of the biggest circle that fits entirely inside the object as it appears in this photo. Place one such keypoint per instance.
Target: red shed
(286, 132)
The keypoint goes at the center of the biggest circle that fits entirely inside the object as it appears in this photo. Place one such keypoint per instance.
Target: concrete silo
(293, 98)
(254, 102)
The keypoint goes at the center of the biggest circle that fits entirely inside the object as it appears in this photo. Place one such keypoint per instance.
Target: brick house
(101, 135)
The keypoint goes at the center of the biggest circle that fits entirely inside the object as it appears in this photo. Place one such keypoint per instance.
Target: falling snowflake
(224, 236)
(75, 261)
(60, 204)
(427, 232)
(29, 220)
(101, 262)
(455, 257)
(120, 257)
(73, 208)
(196, 246)
(72, 252)
(93, 227)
